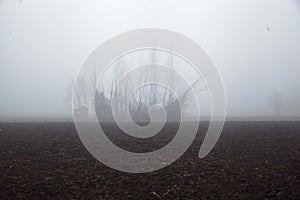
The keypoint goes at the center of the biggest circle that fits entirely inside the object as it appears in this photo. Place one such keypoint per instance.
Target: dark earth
(252, 160)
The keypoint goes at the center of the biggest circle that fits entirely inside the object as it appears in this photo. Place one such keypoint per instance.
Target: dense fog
(254, 44)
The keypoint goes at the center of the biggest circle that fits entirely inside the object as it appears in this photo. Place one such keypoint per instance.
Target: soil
(252, 160)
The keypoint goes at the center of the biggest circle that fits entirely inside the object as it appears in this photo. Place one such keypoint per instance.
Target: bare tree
(142, 99)
(80, 93)
(276, 102)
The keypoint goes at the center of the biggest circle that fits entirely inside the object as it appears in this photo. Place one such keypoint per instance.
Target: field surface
(252, 160)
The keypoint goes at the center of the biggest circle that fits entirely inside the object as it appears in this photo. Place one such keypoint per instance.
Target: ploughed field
(252, 160)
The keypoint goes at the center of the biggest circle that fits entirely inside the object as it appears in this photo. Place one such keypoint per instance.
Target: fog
(254, 44)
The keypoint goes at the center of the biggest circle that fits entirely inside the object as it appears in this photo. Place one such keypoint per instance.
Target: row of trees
(99, 94)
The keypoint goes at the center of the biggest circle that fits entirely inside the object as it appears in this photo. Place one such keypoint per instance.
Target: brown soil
(252, 160)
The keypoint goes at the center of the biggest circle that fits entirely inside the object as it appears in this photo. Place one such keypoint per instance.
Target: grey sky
(254, 44)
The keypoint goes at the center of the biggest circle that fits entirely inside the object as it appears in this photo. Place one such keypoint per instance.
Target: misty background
(254, 44)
